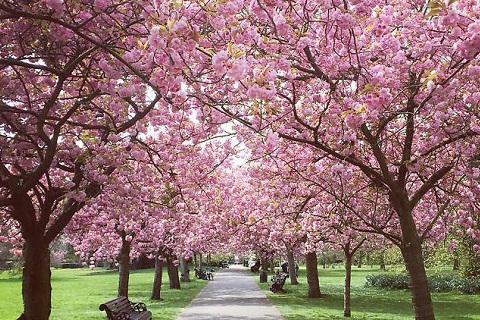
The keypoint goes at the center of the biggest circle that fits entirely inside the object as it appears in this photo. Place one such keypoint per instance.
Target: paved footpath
(233, 294)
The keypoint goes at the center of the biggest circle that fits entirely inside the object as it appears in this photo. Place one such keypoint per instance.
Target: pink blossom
(271, 139)
(180, 27)
(453, 245)
(156, 39)
(231, 7)
(470, 232)
(219, 61)
(17, 252)
(181, 206)
(450, 19)
(217, 22)
(80, 196)
(336, 169)
(280, 24)
(100, 4)
(56, 5)
(353, 121)
(261, 93)
(238, 71)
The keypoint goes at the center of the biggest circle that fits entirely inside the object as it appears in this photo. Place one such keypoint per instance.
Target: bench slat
(122, 309)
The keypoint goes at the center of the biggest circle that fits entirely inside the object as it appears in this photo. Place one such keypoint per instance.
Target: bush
(443, 282)
(469, 286)
(388, 281)
(437, 282)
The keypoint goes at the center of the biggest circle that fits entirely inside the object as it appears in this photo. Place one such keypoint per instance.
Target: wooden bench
(122, 309)
(277, 282)
(203, 275)
(256, 267)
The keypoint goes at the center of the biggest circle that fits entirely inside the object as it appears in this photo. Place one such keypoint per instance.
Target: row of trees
(360, 120)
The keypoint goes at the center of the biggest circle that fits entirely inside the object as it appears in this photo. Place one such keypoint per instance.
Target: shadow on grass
(100, 272)
(368, 303)
(295, 305)
(11, 280)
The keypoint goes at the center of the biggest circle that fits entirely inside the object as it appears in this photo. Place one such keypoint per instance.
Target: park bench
(203, 275)
(122, 309)
(277, 282)
(256, 267)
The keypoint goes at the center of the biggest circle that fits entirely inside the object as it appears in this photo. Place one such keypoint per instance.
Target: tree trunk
(36, 287)
(312, 275)
(184, 270)
(360, 259)
(348, 279)
(264, 263)
(157, 280)
(412, 255)
(173, 274)
(382, 261)
(291, 267)
(456, 262)
(195, 263)
(124, 267)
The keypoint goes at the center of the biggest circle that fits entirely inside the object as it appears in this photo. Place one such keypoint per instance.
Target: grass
(367, 303)
(77, 293)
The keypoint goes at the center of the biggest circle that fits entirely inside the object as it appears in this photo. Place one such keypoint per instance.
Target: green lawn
(367, 303)
(77, 293)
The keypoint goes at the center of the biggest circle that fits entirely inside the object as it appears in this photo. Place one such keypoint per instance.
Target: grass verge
(367, 303)
(77, 293)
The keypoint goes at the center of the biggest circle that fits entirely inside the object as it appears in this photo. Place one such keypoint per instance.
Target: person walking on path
(233, 294)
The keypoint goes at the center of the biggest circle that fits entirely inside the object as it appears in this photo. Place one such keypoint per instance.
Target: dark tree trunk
(348, 279)
(264, 262)
(291, 267)
(36, 287)
(157, 280)
(264, 269)
(360, 259)
(195, 262)
(412, 255)
(312, 275)
(349, 252)
(456, 262)
(173, 274)
(124, 267)
(184, 270)
(382, 261)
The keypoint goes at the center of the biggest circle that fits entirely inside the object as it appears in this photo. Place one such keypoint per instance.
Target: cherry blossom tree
(387, 88)
(385, 91)
(76, 80)
(154, 205)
